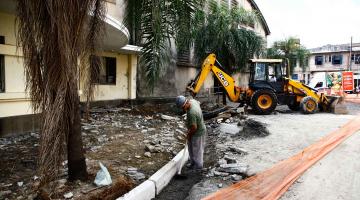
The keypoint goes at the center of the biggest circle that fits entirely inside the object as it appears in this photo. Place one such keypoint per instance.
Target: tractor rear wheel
(263, 101)
(309, 105)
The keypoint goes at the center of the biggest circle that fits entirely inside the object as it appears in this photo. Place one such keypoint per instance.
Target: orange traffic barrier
(274, 182)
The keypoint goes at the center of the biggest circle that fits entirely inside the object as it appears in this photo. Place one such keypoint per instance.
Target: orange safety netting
(274, 182)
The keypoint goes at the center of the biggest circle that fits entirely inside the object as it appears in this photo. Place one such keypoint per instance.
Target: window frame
(357, 59)
(340, 60)
(2, 74)
(317, 61)
(103, 79)
(234, 3)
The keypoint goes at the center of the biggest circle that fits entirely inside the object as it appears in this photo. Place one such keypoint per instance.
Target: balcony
(116, 34)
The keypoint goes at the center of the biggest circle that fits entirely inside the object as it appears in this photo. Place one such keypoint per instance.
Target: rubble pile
(252, 129)
(161, 132)
(132, 142)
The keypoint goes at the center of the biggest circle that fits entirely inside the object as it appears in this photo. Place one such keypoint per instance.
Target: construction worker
(196, 130)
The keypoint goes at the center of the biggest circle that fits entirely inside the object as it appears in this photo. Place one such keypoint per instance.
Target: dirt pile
(252, 129)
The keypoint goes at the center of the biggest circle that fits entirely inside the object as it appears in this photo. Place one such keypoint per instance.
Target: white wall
(15, 101)
(125, 87)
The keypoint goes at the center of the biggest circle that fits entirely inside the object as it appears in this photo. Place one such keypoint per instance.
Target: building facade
(302, 75)
(117, 76)
(183, 68)
(334, 59)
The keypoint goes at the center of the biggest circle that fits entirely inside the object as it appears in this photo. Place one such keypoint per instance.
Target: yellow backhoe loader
(268, 86)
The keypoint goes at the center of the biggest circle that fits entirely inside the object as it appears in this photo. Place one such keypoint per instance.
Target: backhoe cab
(268, 86)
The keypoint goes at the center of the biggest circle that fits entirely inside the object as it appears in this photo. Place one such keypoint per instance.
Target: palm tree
(224, 31)
(153, 24)
(53, 36)
(290, 49)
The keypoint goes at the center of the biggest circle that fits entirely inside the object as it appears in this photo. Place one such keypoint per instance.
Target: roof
(266, 60)
(329, 48)
(262, 18)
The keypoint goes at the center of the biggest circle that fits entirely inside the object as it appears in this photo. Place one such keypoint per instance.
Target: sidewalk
(353, 98)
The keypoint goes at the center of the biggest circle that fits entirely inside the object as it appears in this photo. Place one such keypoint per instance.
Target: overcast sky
(315, 22)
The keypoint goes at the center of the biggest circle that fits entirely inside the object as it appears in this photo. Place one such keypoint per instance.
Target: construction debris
(234, 168)
(252, 129)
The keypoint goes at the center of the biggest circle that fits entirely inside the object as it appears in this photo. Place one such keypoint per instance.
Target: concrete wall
(241, 79)
(185, 74)
(116, 8)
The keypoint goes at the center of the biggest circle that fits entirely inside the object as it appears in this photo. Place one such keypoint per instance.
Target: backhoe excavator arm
(226, 80)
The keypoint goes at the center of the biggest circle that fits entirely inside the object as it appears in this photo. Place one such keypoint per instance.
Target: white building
(118, 76)
(330, 59)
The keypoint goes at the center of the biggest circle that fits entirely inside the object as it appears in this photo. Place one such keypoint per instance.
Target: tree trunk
(75, 151)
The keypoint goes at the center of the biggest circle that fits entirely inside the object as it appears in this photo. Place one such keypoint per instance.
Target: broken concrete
(231, 129)
(235, 168)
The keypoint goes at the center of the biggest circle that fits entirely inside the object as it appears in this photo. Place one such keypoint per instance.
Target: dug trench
(220, 166)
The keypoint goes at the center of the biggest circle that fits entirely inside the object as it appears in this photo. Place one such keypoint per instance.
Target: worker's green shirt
(195, 117)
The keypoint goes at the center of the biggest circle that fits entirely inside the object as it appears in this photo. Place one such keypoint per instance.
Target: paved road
(335, 177)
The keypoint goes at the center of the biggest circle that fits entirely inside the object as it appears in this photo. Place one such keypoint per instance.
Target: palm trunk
(75, 151)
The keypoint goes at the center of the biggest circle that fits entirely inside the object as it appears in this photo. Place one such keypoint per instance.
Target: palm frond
(219, 32)
(153, 23)
(290, 49)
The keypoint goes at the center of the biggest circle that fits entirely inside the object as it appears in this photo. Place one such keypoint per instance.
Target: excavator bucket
(336, 105)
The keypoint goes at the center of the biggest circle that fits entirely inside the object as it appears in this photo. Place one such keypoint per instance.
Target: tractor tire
(308, 105)
(263, 101)
(294, 106)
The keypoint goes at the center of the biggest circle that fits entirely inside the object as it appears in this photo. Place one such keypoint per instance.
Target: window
(2, 73)
(260, 74)
(319, 84)
(234, 4)
(108, 71)
(184, 56)
(330, 58)
(294, 76)
(355, 58)
(2, 39)
(337, 59)
(319, 60)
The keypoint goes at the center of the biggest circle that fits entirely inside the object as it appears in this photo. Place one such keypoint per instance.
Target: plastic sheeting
(274, 182)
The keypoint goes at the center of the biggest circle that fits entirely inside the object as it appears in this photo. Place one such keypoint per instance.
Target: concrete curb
(144, 191)
(158, 181)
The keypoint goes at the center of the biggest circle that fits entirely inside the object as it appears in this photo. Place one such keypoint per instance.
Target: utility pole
(350, 63)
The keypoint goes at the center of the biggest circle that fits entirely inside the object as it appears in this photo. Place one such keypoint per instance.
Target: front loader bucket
(337, 105)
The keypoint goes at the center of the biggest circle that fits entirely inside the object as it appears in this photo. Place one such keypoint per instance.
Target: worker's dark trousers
(196, 147)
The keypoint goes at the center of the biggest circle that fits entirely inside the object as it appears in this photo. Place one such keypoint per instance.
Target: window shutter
(183, 56)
